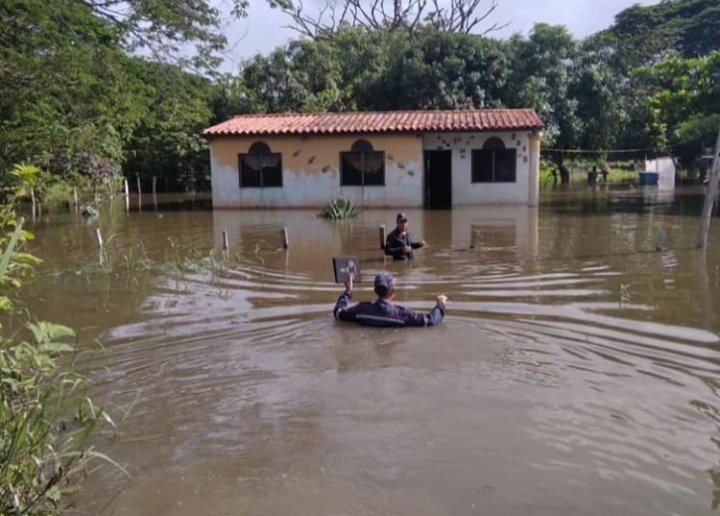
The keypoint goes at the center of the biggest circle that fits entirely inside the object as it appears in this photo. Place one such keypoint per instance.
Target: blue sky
(262, 31)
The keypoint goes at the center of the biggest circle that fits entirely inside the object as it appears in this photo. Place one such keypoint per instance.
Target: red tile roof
(377, 122)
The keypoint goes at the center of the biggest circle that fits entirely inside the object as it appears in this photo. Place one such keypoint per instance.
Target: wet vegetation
(341, 208)
(178, 258)
(47, 418)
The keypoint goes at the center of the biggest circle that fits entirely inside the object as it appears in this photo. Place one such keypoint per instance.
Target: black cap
(401, 217)
(384, 284)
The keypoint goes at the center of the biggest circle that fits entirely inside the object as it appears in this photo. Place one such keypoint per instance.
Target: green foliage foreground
(46, 416)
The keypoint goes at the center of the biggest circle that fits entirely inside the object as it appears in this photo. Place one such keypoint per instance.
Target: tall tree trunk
(558, 158)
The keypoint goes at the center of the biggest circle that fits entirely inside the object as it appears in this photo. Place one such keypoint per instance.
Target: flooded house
(423, 159)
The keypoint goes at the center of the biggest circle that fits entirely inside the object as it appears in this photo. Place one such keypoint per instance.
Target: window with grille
(260, 168)
(362, 166)
(494, 163)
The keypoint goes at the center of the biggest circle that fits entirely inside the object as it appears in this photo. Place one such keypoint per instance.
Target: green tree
(643, 35)
(598, 91)
(544, 68)
(440, 70)
(373, 70)
(683, 95)
(165, 141)
(53, 65)
(71, 98)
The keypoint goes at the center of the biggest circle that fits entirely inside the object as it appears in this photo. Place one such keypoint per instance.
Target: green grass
(177, 258)
(622, 176)
(620, 172)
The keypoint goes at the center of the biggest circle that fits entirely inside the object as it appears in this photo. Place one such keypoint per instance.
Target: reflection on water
(577, 371)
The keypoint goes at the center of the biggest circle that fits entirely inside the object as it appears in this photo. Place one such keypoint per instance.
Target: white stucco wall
(401, 189)
(464, 191)
(311, 172)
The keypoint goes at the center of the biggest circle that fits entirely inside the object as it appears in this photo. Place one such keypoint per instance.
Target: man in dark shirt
(399, 244)
(382, 313)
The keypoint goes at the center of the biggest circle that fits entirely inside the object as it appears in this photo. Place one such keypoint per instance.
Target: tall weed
(47, 418)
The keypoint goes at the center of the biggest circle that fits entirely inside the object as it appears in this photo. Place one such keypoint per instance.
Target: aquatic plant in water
(89, 212)
(340, 209)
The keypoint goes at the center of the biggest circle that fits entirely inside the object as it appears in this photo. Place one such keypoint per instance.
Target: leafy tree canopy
(683, 95)
(642, 35)
(72, 98)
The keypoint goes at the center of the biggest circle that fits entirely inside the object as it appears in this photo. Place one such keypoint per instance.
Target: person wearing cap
(382, 312)
(398, 243)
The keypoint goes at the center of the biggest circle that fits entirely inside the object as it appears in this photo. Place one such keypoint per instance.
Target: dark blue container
(649, 178)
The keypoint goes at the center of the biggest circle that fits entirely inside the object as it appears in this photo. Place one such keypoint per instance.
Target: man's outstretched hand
(349, 283)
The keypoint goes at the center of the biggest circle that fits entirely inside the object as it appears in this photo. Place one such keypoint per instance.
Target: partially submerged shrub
(340, 209)
(89, 212)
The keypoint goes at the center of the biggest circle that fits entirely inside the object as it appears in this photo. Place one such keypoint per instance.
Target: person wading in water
(382, 312)
(398, 243)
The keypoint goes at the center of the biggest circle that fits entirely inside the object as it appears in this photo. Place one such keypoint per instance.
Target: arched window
(362, 165)
(260, 167)
(362, 146)
(494, 143)
(259, 148)
(494, 163)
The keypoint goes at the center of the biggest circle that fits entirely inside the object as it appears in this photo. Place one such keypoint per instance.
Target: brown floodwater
(577, 370)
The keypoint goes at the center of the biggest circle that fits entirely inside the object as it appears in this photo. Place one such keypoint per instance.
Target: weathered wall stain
(321, 151)
(311, 170)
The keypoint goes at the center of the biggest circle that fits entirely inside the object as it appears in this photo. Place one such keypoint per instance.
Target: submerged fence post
(473, 238)
(226, 242)
(154, 191)
(99, 238)
(660, 240)
(127, 196)
(285, 239)
(139, 188)
(75, 196)
(381, 234)
(710, 196)
(32, 199)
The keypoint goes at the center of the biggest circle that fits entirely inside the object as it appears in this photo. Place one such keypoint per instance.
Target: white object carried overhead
(665, 168)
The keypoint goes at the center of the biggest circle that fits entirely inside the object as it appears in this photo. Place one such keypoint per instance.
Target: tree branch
(461, 16)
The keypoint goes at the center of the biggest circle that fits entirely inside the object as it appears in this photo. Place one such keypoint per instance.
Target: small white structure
(665, 168)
